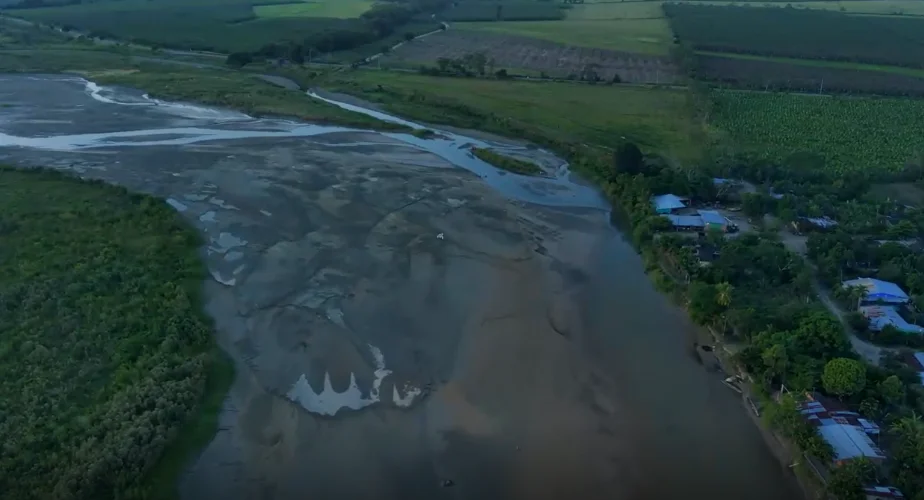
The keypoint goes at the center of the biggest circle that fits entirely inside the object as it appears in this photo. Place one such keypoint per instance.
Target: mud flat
(401, 314)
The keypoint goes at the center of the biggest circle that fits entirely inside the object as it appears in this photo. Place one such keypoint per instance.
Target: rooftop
(880, 316)
(878, 290)
(823, 222)
(686, 220)
(712, 217)
(882, 492)
(667, 202)
(849, 441)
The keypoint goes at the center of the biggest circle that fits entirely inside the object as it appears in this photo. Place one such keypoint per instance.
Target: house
(882, 493)
(881, 316)
(803, 224)
(705, 254)
(846, 431)
(667, 203)
(879, 291)
(714, 220)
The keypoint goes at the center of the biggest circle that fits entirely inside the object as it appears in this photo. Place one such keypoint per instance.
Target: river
(407, 321)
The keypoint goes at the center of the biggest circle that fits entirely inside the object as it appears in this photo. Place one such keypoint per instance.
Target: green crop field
(879, 7)
(343, 9)
(658, 119)
(647, 36)
(850, 133)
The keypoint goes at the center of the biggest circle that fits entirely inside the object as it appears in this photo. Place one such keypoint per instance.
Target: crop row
(803, 33)
(849, 133)
(781, 75)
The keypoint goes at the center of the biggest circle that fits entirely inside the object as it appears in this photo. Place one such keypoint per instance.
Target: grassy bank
(507, 163)
(106, 352)
(239, 91)
(562, 116)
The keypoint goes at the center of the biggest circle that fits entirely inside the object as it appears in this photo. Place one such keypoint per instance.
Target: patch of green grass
(106, 350)
(554, 114)
(820, 63)
(342, 9)
(239, 91)
(507, 163)
(621, 10)
(59, 60)
(647, 36)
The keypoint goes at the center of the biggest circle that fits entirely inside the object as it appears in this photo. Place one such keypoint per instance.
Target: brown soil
(522, 53)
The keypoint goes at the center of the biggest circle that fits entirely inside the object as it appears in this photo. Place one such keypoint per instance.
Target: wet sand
(397, 322)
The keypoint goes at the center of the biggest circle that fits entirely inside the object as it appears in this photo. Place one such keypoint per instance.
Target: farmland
(629, 27)
(335, 9)
(533, 55)
(851, 134)
(786, 75)
(234, 26)
(873, 7)
(507, 11)
(802, 33)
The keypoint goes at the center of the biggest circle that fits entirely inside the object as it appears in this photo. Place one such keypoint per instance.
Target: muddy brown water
(401, 315)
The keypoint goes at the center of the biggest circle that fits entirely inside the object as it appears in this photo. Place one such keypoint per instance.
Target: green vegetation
(877, 7)
(815, 63)
(649, 36)
(232, 26)
(105, 349)
(849, 134)
(239, 91)
(505, 11)
(506, 162)
(342, 9)
(844, 377)
(559, 115)
(802, 33)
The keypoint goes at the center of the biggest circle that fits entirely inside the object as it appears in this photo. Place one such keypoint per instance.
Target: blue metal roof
(667, 202)
(878, 289)
(712, 217)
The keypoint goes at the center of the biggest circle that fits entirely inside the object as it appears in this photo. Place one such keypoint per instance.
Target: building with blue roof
(879, 291)
(667, 203)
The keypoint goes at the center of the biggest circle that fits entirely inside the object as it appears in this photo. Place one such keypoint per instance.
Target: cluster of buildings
(850, 435)
(674, 208)
(881, 303)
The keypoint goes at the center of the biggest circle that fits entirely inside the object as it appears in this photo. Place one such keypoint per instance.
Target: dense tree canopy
(844, 377)
(104, 348)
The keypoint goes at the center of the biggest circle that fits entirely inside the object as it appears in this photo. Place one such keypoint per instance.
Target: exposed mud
(397, 322)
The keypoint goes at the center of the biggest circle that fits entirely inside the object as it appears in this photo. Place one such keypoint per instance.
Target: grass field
(646, 36)
(850, 133)
(236, 90)
(342, 9)
(657, 119)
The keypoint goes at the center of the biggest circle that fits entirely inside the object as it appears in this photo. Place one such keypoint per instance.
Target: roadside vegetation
(507, 163)
(105, 351)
